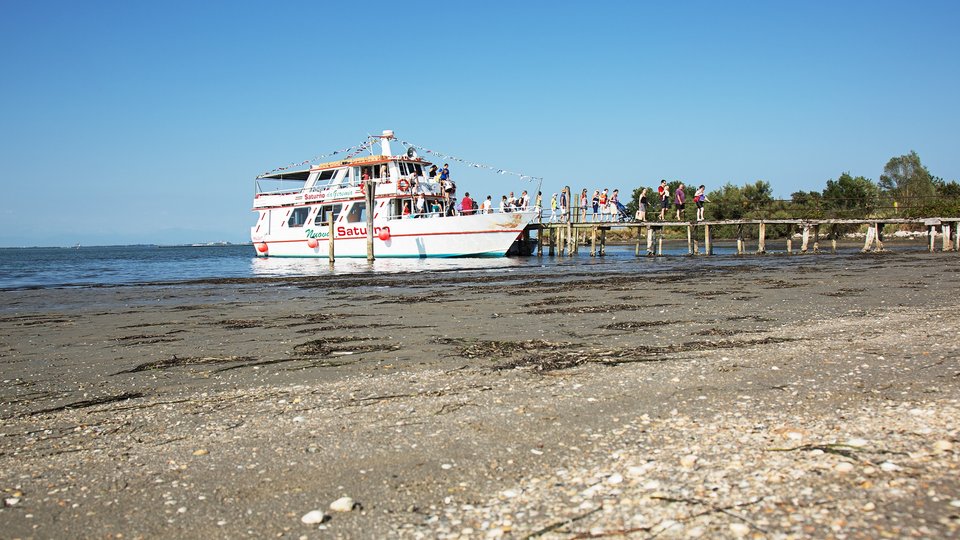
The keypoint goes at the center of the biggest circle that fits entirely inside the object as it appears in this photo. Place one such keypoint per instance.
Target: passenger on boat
(435, 208)
(420, 206)
(524, 200)
(504, 205)
(445, 172)
(406, 209)
(538, 203)
(487, 206)
(466, 205)
(451, 207)
(432, 173)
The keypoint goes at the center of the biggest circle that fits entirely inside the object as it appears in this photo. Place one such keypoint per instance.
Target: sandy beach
(817, 397)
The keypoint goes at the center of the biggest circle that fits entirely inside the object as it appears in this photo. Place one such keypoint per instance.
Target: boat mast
(394, 170)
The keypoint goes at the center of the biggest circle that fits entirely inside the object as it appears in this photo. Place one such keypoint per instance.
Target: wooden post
(740, 239)
(789, 239)
(636, 251)
(816, 238)
(330, 238)
(540, 241)
(603, 242)
(956, 237)
(371, 199)
(932, 233)
(660, 241)
(571, 239)
(877, 242)
(593, 242)
(689, 239)
(696, 243)
(806, 238)
(945, 231)
(552, 242)
(561, 240)
(708, 240)
(649, 240)
(762, 238)
(833, 238)
(871, 232)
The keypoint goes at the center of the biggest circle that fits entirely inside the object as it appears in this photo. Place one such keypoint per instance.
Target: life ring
(403, 185)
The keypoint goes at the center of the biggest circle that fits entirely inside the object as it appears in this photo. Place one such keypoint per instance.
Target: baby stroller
(622, 214)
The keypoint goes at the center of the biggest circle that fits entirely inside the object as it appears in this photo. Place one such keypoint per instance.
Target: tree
(851, 197)
(908, 182)
(726, 203)
(758, 196)
(806, 204)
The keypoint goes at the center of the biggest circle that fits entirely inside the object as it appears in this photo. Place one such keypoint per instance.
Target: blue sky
(136, 122)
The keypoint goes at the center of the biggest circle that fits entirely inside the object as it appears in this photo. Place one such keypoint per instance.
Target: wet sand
(813, 398)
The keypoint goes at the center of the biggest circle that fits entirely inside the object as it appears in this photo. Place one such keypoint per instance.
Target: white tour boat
(295, 222)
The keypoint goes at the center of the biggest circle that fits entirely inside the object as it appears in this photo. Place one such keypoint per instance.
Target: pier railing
(566, 238)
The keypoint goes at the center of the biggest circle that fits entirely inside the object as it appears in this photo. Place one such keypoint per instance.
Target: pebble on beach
(343, 504)
(314, 517)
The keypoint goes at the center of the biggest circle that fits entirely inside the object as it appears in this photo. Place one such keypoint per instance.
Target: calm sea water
(59, 267)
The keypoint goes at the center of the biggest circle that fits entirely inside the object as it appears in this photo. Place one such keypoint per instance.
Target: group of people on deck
(450, 206)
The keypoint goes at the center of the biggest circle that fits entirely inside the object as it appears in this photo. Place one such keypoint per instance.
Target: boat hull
(481, 235)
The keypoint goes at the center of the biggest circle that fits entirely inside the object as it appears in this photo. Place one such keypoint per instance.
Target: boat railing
(443, 214)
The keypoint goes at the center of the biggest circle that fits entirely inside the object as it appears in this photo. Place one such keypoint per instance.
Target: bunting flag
(370, 141)
(448, 157)
(350, 151)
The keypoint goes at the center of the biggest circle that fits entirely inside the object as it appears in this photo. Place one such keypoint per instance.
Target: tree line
(905, 189)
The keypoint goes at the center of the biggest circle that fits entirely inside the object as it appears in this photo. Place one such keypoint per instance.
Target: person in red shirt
(466, 205)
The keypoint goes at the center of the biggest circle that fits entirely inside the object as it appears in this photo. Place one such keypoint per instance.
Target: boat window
(403, 168)
(418, 168)
(358, 213)
(298, 217)
(370, 172)
(326, 175)
(323, 216)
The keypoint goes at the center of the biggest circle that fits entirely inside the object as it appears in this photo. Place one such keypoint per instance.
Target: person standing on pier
(681, 199)
(699, 198)
(553, 208)
(563, 205)
(664, 191)
(614, 206)
(596, 203)
(583, 205)
(642, 206)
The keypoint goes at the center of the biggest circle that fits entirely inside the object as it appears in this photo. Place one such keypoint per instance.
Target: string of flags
(448, 157)
(350, 151)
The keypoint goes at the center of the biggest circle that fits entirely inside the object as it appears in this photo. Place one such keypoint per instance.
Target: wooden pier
(565, 237)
